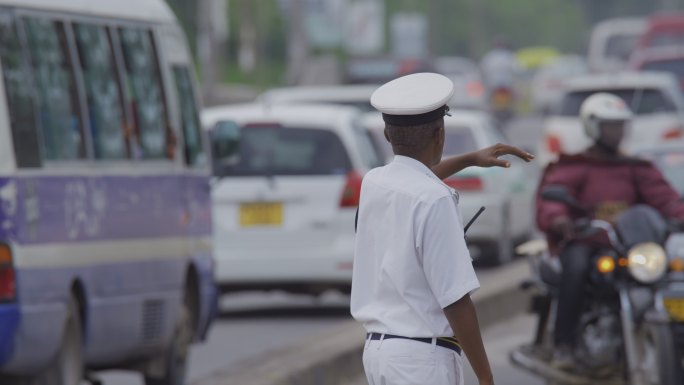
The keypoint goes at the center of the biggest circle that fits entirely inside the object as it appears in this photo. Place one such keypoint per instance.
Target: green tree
(186, 12)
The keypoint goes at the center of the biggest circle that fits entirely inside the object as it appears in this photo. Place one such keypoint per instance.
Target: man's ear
(440, 135)
(387, 135)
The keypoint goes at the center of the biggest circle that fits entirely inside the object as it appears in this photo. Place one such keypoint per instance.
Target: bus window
(194, 152)
(146, 96)
(18, 94)
(57, 99)
(105, 106)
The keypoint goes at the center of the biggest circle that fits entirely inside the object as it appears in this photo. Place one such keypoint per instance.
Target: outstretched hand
(489, 157)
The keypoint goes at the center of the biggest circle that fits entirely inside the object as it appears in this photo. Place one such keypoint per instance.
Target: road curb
(335, 357)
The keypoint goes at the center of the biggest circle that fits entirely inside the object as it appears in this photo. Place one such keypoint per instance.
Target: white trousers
(399, 361)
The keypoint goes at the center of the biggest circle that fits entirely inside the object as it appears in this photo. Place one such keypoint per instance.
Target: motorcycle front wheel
(659, 357)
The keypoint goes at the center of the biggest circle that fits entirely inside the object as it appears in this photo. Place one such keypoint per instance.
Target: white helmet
(602, 107)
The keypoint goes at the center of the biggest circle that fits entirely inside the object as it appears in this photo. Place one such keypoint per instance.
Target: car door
(519, 184)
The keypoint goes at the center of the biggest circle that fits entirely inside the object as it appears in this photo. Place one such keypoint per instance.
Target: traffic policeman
(413, 274)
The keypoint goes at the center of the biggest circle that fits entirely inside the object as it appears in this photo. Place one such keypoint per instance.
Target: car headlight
(647, 262)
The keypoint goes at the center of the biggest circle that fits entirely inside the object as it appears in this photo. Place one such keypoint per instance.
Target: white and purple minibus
(105, 223)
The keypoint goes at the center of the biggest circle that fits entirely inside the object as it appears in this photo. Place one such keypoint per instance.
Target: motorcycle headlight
(647, 262)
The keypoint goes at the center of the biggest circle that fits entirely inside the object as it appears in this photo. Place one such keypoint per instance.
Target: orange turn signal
(623, 262)
(677, 264)
(605, 264)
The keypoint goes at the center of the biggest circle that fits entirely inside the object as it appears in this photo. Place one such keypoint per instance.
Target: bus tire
(176, 355)
(66, 367)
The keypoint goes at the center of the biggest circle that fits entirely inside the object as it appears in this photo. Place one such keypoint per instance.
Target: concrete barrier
(334, 358)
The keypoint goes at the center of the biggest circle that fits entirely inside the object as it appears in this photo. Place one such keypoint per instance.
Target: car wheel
(499, 251)
(176, 355)
(66, 367)
(505, 251)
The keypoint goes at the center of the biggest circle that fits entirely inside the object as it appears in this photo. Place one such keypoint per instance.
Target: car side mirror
(225, 145)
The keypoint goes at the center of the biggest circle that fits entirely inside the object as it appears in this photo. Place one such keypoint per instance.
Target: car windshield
(381, 144)
(673, 66)
(459, 140)
(621, 46)
(268, 151)
(371, 154)
(671, 164)
(641, 101)
(363, 106)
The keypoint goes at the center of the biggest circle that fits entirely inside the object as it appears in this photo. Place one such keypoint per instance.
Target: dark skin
(461, 314)
(444, 168)
(606, 147)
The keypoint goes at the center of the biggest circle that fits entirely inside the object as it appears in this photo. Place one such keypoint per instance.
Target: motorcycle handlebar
(585, 228)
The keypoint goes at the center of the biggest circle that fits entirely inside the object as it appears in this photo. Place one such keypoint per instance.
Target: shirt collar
(420, 167)
(414, 164)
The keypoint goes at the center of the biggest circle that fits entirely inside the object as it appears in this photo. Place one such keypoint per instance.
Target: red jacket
(609, 186)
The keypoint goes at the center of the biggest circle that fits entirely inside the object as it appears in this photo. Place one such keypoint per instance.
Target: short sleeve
(446, 260)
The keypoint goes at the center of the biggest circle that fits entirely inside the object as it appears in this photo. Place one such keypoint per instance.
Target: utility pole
(478, 36)
(247, 50)
(297, 42)
(206, 49)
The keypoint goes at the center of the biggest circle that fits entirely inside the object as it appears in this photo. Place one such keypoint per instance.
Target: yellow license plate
(261, 214)
(675, 307)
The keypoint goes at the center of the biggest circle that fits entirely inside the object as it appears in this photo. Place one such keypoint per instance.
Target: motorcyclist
(499, 66)
(604, 179)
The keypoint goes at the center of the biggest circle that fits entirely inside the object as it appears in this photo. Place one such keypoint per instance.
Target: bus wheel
(67, 366)
(176, 356)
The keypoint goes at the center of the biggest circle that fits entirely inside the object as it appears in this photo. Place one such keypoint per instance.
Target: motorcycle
(631, 328)
(502, 104)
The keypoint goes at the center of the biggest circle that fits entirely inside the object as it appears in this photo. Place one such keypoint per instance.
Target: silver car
(507, 194)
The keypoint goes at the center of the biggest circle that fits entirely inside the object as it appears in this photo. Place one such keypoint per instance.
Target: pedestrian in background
(413, 274)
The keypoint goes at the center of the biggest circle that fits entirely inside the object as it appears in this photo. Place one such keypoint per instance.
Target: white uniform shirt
(410, 259)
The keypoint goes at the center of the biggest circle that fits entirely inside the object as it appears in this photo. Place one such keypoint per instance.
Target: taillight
(674, 133)
(8, 280)
(553, 144)
(475, 89)
(352, 190)
(465, 184)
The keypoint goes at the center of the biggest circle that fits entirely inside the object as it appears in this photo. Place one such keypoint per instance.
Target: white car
(548, 82)
(469, 89)
(654, 97)
(286, 190)
(612, 42)
(349, 95)
(507, 194)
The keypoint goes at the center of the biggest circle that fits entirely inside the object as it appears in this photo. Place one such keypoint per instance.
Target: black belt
(445, 342)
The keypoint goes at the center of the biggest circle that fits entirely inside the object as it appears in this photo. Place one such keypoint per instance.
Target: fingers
(501, 163)
(504, 149)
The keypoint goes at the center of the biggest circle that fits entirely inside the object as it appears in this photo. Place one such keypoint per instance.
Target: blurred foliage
(271, 42)
(186, 12)
(457, 27)
(597, 10)
(469, 27)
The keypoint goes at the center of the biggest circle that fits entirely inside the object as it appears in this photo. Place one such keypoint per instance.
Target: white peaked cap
(413, 99)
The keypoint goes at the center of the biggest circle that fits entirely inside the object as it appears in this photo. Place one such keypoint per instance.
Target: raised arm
(487, 157)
